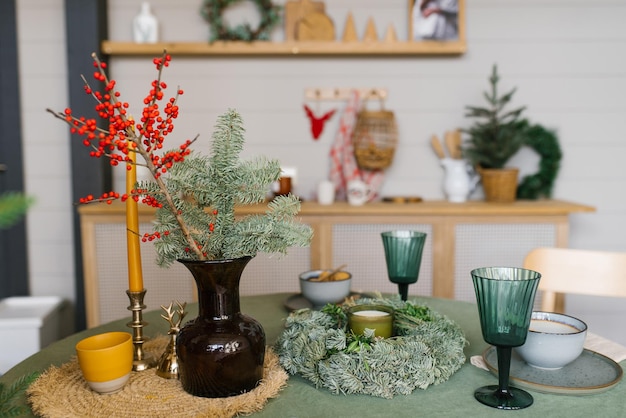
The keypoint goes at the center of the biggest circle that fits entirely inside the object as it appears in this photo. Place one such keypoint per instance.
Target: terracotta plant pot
(499, 184)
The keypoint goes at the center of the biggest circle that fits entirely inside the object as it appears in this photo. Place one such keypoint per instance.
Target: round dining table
(300, 398)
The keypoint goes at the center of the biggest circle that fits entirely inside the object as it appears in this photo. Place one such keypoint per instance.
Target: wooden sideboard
(461, 236)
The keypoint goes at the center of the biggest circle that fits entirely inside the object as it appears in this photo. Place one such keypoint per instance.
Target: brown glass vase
(221, 352)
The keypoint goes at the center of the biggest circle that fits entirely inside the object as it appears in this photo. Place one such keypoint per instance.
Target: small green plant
(497, 134)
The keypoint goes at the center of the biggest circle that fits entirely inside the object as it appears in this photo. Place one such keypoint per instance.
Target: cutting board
(315, 27)
(296, 10)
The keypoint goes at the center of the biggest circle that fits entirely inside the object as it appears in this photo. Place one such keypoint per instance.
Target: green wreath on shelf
(545, 143)
(426, 350)
(212, 10)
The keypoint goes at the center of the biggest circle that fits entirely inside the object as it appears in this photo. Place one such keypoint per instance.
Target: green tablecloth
(300, 398)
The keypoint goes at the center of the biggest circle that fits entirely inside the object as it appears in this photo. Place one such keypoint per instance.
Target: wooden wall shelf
(256, 48)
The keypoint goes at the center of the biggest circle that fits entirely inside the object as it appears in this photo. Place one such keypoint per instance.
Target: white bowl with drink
(554, 340)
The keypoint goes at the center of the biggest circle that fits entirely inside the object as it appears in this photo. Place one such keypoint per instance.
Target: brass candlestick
(141, 361)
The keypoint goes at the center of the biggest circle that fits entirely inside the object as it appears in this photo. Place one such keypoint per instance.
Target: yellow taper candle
(135, 277)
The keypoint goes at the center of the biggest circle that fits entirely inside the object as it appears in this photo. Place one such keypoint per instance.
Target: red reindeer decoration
(317, 124)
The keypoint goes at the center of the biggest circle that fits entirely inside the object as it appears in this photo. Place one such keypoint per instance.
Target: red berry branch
(121, 134)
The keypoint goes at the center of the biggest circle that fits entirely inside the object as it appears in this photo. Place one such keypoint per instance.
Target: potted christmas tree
(496, 135)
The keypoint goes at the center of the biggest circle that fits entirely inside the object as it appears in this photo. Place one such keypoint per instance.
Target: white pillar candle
(371, 313)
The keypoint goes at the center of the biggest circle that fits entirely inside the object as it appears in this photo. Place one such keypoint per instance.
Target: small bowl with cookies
(325, 286)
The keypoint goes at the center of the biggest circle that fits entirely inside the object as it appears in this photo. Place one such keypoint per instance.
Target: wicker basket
(374, 139)
(499, 185)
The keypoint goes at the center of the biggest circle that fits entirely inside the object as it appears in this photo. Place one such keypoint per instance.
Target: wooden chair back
(584, 272)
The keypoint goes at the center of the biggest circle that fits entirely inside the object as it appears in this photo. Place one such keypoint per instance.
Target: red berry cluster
(133, 195)
(105, 197)
(145, 198)
(119, 136)
(151, 237)
(151, 201)
(165, 162)
(123, 133)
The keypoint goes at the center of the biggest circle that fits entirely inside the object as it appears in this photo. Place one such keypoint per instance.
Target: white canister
(326, 192)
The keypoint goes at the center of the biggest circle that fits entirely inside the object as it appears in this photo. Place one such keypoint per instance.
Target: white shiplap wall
(43, 83)
(566, 57)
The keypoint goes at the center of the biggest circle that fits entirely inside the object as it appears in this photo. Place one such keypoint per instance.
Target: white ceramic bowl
(554, 340)
(321, 293)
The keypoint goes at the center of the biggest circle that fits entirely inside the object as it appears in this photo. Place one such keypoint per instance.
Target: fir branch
(205, 191)
(13, 205)
(261, 172)
(9, 395)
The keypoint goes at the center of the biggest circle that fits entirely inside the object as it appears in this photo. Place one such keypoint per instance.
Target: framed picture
(440, 22)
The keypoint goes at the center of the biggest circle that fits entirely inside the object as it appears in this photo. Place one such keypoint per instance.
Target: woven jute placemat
(62, 392)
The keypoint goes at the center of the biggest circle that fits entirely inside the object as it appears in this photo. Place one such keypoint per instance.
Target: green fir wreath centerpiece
(426, 350)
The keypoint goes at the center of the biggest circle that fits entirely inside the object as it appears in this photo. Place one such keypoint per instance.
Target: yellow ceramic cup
(106, 360)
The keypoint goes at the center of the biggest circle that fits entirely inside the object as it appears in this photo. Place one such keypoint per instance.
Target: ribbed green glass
(403, 255)
(505, 298)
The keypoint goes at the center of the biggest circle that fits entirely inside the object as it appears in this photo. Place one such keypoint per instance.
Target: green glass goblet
(505, 297)
(403, 255)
